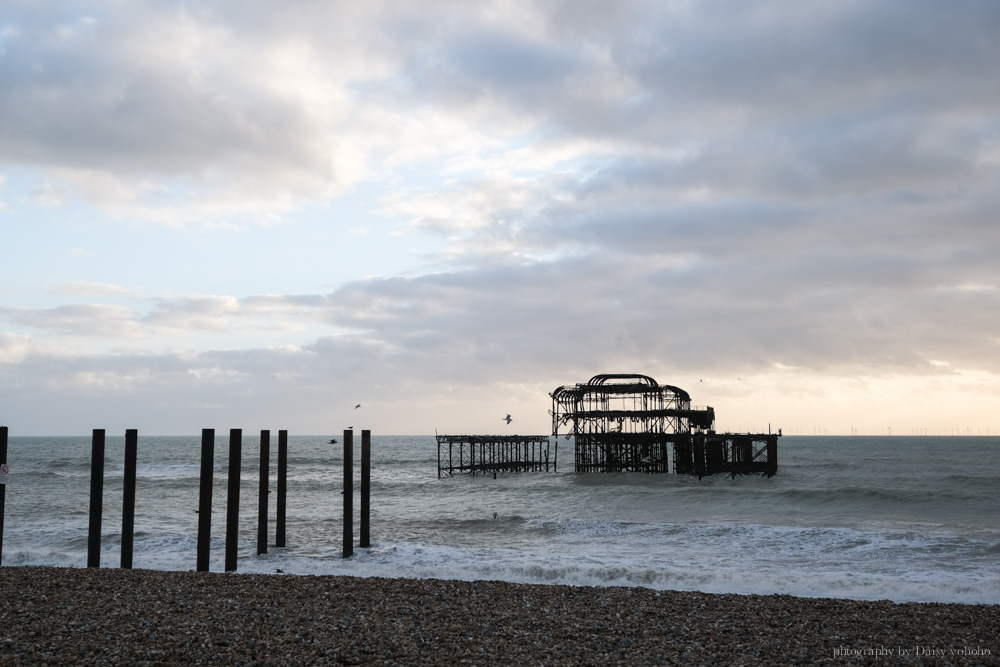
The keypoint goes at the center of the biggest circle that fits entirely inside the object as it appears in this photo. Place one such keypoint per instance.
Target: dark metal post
(348, 493)
(279, 534)
(265, 460)
(96, 498)
(772, 455)
(205, 498)
(3, 487)
(366, 486)
(233, 498)
(128, 496)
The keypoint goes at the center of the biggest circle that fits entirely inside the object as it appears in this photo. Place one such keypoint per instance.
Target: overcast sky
(259, 214)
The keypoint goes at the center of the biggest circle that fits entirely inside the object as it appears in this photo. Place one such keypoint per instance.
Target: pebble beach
(146, 617)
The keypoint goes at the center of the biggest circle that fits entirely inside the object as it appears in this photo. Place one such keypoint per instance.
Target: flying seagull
(357, 406)
(507, 419)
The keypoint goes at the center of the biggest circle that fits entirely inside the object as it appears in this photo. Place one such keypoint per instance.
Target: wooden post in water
(96, 498)
(3, 485)
(348, 493)
(279, 534)
(233, 498)
(265, 471)
(366, 487)
(128, 496)
(205, 498)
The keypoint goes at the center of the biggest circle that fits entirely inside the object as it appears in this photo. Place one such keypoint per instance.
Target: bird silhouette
(507, 419)
(357, 406)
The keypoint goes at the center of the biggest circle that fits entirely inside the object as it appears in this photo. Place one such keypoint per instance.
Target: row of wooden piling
(205, 494)
(366, 467)
(204, 500)
(233, 494)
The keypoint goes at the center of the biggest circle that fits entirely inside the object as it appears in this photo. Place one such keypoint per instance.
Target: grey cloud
(542, 322)
(780, 183)
(478, 60)
(203, 312)
(91, 320)
(793, 99)
(94, 100)
(780, 61)
(510, 323)
(172, 316)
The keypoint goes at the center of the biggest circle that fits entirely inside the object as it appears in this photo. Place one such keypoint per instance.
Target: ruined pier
(494, 454)
(631, 423)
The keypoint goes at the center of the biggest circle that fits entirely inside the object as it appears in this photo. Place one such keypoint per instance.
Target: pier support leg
(205, 498)
(3, 487)
(128, 497)
(233, 498)
(279, 535)
(265, 471)
(96, 498)
(366, 486)
(348, 493)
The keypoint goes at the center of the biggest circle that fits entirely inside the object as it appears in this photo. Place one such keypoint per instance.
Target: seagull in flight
(357, 406)
(507, 419)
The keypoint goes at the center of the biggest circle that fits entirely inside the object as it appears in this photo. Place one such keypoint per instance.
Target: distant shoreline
(79, 615)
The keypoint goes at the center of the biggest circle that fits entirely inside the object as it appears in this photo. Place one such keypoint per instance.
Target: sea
(903, 518)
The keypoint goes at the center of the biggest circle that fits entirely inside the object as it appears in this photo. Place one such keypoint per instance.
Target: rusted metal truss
(496, 454)
(631, 423)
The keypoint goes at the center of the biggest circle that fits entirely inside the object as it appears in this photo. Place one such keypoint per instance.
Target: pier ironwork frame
(632, 423)
(494, 454)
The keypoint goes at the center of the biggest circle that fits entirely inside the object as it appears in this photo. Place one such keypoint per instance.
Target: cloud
(87, 320)
(13, 348)
(79, 288)
(667, 187)
(185, 313)
(182, 113)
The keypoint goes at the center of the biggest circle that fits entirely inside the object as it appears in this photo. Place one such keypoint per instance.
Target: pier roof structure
(631, 423)
(626, 403)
